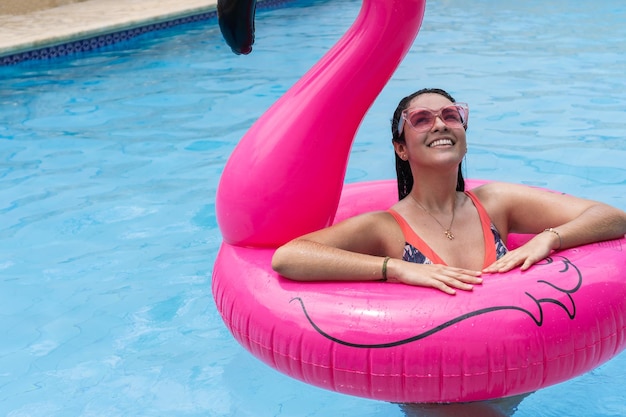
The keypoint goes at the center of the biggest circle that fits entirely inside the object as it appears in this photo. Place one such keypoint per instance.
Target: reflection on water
(501, 407)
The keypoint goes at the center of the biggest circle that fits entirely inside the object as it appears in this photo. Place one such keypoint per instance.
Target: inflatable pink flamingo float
(516, 334)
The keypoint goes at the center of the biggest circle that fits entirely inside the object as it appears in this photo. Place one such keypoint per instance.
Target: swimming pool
(109, 165)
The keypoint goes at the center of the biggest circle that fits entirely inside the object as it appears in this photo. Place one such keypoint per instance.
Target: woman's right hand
(442, 277)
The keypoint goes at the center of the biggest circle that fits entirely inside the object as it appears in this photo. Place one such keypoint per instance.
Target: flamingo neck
(286, 175)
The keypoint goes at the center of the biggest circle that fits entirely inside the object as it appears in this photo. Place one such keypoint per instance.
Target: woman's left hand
(533, 251)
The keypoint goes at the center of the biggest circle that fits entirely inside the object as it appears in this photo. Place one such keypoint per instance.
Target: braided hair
(403, 169)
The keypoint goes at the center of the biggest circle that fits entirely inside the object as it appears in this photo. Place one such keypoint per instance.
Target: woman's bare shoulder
(373, 219)
(495, 188)
(372, 232)
(503, 193)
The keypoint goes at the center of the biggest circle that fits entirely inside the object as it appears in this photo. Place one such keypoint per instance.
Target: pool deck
(54, 26)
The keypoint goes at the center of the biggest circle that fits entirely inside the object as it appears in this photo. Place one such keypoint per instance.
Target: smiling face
(441, 143)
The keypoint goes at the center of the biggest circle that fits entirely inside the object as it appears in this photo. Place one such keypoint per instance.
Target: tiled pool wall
(102, 41)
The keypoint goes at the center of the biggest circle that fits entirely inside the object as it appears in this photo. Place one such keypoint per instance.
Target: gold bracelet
(385, 268)
(556, 233)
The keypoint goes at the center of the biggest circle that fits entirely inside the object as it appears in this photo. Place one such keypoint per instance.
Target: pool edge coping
(51, 41)
(105, 35)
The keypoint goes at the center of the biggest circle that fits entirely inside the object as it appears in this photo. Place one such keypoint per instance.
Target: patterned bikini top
(418, 251)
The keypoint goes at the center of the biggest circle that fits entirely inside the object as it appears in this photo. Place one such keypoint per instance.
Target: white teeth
(440, 142)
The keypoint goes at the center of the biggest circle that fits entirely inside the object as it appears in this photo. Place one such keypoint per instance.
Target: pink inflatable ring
(516, 333)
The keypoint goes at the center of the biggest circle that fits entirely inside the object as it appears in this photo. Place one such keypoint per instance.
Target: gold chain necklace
(446, 231)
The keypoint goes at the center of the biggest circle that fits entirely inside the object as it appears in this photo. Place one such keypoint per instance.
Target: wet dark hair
(403, 169)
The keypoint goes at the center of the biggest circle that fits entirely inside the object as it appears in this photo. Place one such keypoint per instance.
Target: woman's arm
(351, 250)
(357, 250)
(559, 221)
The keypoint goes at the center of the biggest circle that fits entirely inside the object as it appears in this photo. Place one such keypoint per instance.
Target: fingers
(504, 264)
(465, 280)
(443, 287)
(509, 261)
(524, 258)
(449, 280)
(442, 277)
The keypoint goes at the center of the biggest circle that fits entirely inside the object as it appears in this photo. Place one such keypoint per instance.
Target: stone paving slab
(89, 18)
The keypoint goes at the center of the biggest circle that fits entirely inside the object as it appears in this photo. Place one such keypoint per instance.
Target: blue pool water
(109, 164)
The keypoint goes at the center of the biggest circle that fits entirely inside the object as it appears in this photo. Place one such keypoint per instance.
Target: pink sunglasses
(422, 119)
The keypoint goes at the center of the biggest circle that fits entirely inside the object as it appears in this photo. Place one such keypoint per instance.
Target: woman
(439, 235)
